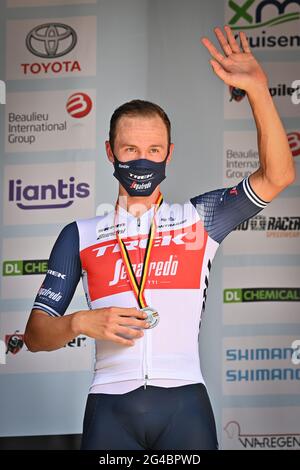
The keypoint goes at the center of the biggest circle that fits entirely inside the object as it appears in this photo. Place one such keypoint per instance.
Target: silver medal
(152, 316)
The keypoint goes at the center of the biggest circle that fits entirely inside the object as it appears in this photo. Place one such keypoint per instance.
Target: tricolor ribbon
(137, 288)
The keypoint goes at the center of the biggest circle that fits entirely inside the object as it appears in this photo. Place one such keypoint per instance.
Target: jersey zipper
(145, 360)
(145, 366)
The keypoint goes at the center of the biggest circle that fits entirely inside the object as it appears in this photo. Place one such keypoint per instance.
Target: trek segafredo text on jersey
(187, 237)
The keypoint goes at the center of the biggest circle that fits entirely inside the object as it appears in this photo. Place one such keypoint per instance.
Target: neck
(136, 205)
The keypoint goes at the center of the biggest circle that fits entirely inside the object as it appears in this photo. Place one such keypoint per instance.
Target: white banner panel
(48, 193)
(75, 356)
(269, 25)
(51, 48)
(241, 157)
(261, 294)
(280, 86)
(261, 428)
(260, 365)
(275, 230)
(24, 266)
(55, 120)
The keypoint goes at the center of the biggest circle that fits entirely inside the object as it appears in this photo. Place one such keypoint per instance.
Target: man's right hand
(108, 323)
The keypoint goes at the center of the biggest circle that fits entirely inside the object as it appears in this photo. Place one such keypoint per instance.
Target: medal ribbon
(137, 288)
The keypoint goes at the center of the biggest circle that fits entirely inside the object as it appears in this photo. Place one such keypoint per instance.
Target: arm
(46, 333)
(240, 69)
(277, 169)
(48, 329)
(221, 210)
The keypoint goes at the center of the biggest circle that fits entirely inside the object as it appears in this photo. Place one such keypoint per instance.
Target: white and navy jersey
(185, 243)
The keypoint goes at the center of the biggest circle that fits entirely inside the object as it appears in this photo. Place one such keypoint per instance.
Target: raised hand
(237, 66)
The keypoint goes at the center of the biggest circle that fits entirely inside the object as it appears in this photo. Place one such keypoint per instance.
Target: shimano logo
(46, 196)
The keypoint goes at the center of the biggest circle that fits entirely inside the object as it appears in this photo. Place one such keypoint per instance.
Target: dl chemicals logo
(267, 23)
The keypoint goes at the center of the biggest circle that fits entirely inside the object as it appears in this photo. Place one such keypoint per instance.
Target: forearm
(276, 160)
(46, 333)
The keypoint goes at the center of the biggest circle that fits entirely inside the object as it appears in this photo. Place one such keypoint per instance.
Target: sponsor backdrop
(67, 65)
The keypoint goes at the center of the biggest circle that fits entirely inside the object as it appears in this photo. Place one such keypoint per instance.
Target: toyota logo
(51, 40)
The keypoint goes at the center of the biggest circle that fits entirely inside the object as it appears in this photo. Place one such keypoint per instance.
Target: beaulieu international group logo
(267, 23)
(79, 105)
(52, 120)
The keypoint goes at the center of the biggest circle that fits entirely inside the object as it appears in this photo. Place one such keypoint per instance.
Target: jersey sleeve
(224, 209)
(63, 275)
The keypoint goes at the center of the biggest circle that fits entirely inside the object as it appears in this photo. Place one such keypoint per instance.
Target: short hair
(135, 108)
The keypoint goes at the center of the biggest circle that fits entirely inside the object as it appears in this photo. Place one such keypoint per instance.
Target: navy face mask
(141, 176)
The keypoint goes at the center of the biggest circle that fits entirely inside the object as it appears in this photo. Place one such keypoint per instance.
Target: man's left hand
(237, 67)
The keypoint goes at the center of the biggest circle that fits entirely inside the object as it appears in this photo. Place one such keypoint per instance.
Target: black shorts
(155, 418)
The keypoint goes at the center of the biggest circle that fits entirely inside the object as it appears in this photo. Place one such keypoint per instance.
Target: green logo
(23, 267)
(254, 19)
(262, 294)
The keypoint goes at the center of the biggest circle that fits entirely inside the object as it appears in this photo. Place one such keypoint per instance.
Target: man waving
(145, 267)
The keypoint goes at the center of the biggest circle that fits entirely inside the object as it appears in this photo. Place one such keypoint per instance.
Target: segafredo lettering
(158, 268)
(140, 186)
(57, 296)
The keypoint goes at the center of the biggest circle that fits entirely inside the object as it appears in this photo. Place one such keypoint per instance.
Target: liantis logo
(46, 196)
(51, 40)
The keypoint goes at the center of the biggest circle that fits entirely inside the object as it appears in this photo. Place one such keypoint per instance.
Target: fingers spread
(213, 50)
(244, 42)
(231, 39)
(223, 41)
(218, 69)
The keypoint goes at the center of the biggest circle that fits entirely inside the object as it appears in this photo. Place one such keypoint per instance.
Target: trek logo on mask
(140, 177)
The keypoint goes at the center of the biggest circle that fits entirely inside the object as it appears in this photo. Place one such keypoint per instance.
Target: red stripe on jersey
(175, 263)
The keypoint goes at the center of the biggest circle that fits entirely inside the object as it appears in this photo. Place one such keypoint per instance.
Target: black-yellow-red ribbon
(137, 288)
